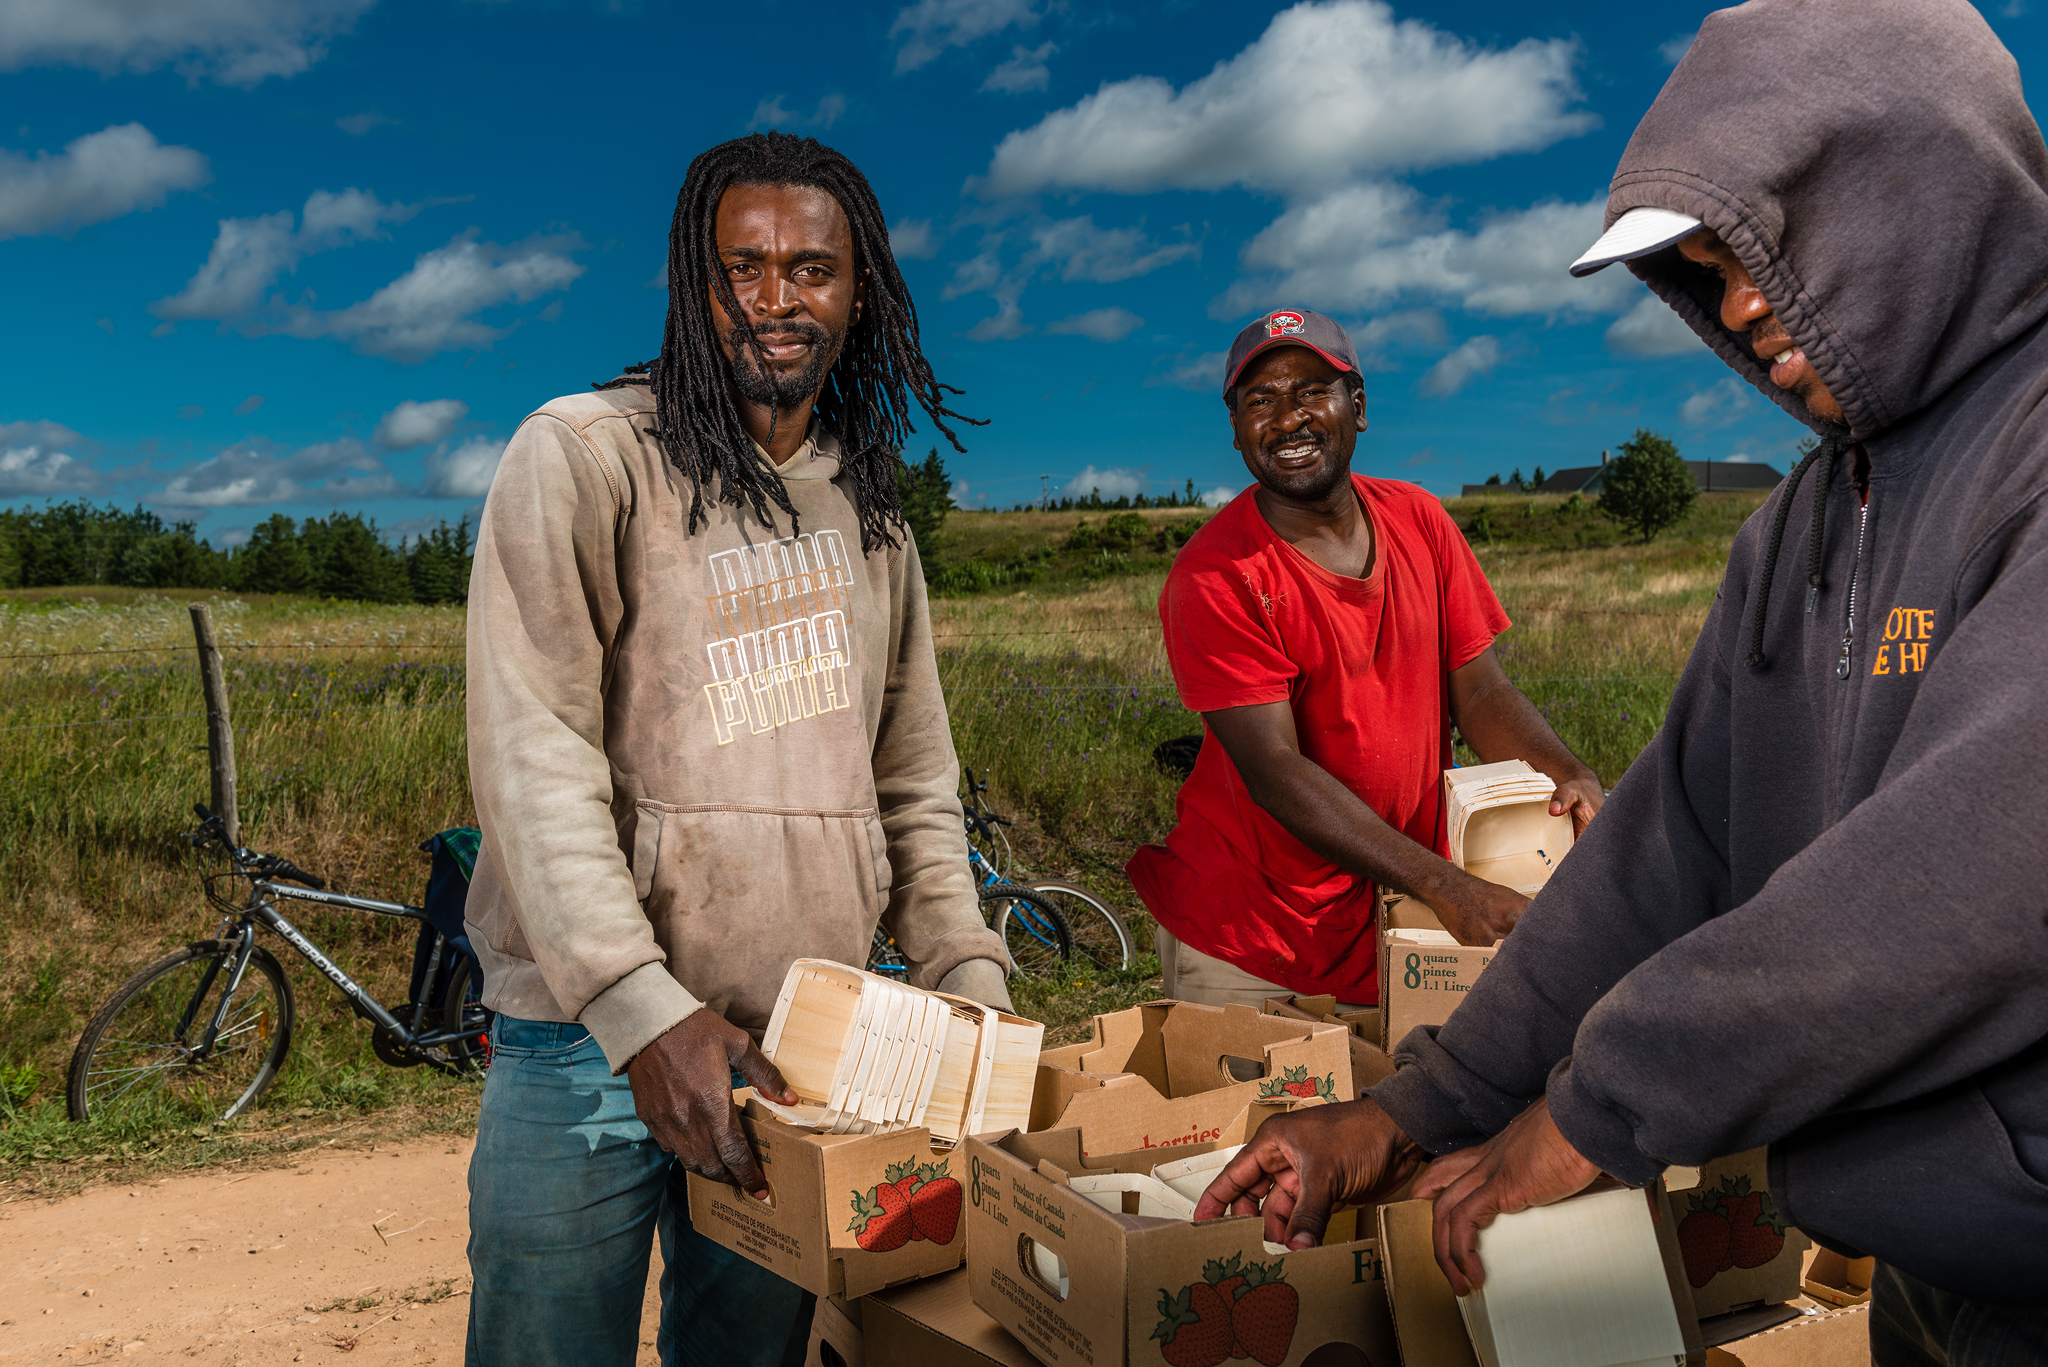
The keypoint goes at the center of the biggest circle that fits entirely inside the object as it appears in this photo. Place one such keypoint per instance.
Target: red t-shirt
(1365, 664)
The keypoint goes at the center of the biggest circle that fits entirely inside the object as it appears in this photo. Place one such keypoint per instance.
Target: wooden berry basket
(870, 1055)
(1500, 826)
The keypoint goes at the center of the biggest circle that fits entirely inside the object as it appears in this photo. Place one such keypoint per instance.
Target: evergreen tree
(1647, 487)
(926, 493)
(272, 560)
(438, 564)
(351, 561)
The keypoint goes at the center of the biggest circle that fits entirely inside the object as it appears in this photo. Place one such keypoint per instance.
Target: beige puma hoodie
(696, 758)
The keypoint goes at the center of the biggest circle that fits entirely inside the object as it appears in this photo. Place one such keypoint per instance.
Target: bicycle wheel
(465, 1011)
(885, 958)
(1100, 935)
(1032, 929)
(137, 1061)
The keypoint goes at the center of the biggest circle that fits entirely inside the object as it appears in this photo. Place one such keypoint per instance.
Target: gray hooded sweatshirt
(1814, 914)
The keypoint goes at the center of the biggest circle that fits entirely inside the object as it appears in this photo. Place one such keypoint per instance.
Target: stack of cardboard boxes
(1074, 1225)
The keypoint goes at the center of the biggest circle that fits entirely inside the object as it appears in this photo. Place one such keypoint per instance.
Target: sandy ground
(256, 1268)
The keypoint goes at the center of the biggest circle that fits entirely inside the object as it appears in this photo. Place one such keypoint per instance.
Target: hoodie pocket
(734, 892)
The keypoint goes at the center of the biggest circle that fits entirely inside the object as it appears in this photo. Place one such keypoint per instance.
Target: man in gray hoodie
(1814, 913)
(706, 738)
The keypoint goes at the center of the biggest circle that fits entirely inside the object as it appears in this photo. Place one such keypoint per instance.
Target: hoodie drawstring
(1829, 450)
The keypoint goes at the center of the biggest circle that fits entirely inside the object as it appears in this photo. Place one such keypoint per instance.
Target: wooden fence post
(220, 731)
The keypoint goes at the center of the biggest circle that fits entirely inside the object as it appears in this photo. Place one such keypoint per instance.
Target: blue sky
(299, 255)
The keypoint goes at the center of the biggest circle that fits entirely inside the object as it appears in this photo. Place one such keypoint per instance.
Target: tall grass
(350, 742)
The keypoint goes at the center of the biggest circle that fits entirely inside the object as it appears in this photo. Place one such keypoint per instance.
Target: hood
(1875, 167)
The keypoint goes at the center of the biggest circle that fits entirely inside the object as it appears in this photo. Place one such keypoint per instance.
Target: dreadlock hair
(864, 400)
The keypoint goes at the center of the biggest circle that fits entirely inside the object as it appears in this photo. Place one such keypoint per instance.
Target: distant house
(1713, 476)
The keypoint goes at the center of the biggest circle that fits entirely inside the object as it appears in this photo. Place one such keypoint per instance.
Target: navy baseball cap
(1290, 327)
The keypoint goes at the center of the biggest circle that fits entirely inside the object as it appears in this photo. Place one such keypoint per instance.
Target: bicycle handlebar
(212, 827)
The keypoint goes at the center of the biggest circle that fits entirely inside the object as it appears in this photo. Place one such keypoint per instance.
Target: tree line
(342, 555)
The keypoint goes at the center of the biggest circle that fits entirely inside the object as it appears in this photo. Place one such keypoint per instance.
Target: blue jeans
(1913, 1324)
(566, 1193)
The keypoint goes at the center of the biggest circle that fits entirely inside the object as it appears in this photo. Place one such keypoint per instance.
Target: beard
(1316, 484)
(781, 389)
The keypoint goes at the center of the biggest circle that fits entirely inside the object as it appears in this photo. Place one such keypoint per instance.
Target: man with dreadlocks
(1811, 915)
(706, 738)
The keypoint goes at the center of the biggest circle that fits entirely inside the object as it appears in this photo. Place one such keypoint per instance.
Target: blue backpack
(454, 856)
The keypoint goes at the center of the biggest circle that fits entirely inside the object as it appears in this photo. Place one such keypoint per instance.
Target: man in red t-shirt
(1330, 629)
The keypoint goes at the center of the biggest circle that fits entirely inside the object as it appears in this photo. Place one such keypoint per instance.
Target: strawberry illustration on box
(917, 1201)
(1737, 1248)
(1296, 1082)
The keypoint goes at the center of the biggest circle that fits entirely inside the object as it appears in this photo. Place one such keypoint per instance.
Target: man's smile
(1297, 452)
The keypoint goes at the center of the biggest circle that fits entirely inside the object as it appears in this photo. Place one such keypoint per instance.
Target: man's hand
(979, 980)
(1527, 1164)
(1581, 797)
(682, 1091)
(1475, 911)
(1307, 1163)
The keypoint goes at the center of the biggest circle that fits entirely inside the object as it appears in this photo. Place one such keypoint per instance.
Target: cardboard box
(1432, 1329)
(1369, 1062)
(826, 1225)
(1836, 1338)
(935, 1323)
(836, 1338)
(1161, 1075)
(1424, 974)
(1738, 1251)
(1076, 1283)
(1834, 1280)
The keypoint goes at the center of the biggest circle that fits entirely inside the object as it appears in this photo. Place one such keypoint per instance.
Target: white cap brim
(1636, 233)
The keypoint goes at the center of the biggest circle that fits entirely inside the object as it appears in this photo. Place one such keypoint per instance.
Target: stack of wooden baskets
(1500, 824)
(867, 1054)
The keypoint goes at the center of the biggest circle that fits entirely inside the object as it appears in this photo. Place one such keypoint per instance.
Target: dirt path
(351, 1256)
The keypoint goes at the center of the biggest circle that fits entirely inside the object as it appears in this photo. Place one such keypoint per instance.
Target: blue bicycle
(1044, 925)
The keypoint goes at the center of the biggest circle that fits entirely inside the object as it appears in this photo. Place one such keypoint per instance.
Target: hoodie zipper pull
(1855, 573)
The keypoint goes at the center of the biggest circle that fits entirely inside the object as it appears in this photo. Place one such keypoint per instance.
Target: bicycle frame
(260, 911)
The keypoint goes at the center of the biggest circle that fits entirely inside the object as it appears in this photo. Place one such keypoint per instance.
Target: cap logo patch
(1284, 324)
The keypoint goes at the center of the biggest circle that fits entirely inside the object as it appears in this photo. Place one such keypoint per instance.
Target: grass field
(350, 748)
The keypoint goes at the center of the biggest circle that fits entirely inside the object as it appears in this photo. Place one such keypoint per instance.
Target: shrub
(1647, 487)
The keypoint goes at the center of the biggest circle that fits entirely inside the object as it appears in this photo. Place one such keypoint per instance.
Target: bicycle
(243, 1020)
(1098, 933)
(1042, 924)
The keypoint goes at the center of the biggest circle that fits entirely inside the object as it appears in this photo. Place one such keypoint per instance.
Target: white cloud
(1220, 495)
(248, 405)
(1025, 70)
(1365, 246)
(1104, 325)
(255, 473)
(1069, 248)
(1081, 251)
(1203, 373)
(1465, 363)
(1328, 93)
(415, 423)
(32, 461)
(1004, 325)
(100, 176)
(1673, 50)
(1651, 328)
(235, 42)
(1717, 405)
(356, 125)
(464, 472)
(430, 308)
(1395, 332)
(929, 27)
(249, 254)
(772, 113)
(1739, 458)
(912, 239)
(1118, 482)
